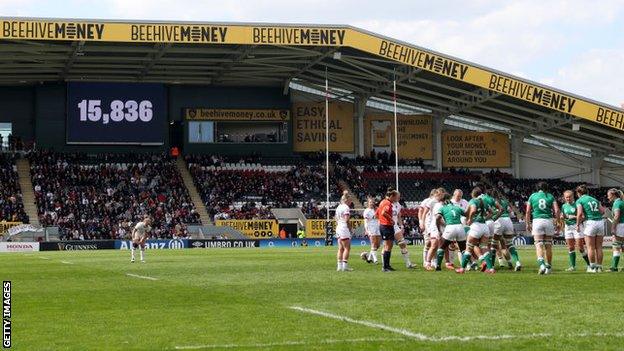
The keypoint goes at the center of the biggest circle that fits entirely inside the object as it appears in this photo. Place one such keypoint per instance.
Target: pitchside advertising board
(328, 36)
(115, 113)
(19, 246)
(253, 229)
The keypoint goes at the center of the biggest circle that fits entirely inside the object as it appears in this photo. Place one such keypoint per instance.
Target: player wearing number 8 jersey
(589, 211)
(541, 209)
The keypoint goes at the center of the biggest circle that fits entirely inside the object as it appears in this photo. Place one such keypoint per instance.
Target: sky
(576, 46)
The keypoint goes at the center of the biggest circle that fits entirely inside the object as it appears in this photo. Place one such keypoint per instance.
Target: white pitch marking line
(141, 276)
(422, 337)
(67, 262)
(285, 343)
(44, 258)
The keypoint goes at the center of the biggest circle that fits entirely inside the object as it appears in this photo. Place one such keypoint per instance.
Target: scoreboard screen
(116, 113)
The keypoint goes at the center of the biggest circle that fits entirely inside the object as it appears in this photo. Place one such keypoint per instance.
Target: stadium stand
(11, 202)
(100, 196)
(248, 190)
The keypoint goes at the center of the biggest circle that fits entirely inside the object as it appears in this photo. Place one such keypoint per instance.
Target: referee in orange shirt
(386, 228)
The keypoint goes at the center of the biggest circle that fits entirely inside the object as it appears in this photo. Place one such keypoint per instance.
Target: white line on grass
(422, 337)
(141, 276)
(44, 258)
(67, 262)
(285, 343)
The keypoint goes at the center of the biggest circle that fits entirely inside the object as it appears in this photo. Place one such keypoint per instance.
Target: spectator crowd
(11, 204)
(103, 196)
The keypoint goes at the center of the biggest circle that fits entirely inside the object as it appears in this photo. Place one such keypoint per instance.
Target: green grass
(241, 298)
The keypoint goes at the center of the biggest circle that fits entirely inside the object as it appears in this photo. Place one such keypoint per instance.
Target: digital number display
(116, 113)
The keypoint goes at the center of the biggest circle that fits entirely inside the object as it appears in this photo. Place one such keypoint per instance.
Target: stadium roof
(359, 64)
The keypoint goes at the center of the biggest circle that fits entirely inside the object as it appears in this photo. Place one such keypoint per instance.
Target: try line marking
(423, 337)
(284, 343)
(141, 276)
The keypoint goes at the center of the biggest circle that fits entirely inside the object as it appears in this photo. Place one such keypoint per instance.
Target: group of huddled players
(480, 230)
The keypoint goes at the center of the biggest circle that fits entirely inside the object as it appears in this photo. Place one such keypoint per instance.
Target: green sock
(487, 259)
(514, 253)
(586, 258)
(572, 257)
(540, 262)
(465, 260)
(493, 257)
(440, 257)
(615, 261)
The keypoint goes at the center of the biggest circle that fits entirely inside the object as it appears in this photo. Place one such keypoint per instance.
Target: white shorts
(343, 233)
(479, 230)
(594, 228)
(490, 225)
(434, 233)
(619, 230)
(543, 226)
(373, 230)
(503, 226)
(137, 238)
(570, 232)
(454, 232)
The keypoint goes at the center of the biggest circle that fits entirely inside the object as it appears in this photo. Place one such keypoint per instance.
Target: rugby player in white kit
(139, 237)
(343, 232)
(371, 228)
(399, 230)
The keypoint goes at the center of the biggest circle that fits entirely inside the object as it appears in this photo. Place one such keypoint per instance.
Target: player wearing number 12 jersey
(541, 209)
(589, 211)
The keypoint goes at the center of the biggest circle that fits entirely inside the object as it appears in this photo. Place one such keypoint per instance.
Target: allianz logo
(159, 245)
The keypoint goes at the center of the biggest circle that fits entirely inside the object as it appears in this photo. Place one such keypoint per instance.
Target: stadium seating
(101, 196)
(11, 205)
(248, 190)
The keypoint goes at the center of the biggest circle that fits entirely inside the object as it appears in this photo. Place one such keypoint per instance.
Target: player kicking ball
(139, 237)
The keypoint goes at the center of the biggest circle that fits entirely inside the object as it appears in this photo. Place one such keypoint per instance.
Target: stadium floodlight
(576, 127)
(337, 55)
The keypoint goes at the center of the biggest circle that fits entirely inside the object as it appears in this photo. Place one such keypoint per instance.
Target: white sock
(141, 252)
(406, 258)
(373, 255)
(339, 265)
(132, 251)
(345, 266)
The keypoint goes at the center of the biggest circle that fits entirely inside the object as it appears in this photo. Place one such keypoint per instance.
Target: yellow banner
(414, 136)
(315, 228)
(215, 114)
(5, 226)
(309, 126)
(475, 149)
(334, 36)
(253, 229)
